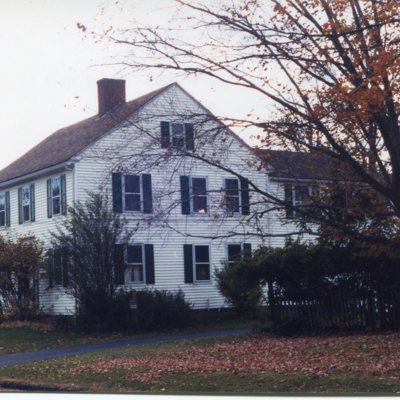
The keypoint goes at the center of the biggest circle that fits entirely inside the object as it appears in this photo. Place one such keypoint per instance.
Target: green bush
(162, 309)
(155, 309)
(102, 314)
(240, 286)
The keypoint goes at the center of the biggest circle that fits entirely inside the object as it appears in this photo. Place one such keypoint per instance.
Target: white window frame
(129, 266)
(192, 196)
(171, 133)
(54, 197)
(234, 213)
(294, 202)
(4, 211)
(195, 280)
(241, 244)
(140, 193)
(27, 187)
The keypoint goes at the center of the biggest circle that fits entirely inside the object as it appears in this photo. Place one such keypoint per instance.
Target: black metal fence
(339, 308)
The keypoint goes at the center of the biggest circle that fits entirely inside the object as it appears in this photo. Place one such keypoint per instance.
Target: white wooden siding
(127, 145)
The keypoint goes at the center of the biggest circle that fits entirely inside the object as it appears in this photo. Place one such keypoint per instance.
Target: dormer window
(177, 135)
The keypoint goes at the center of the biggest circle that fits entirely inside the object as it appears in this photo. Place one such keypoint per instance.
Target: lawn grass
(252, 364)
(24, 337)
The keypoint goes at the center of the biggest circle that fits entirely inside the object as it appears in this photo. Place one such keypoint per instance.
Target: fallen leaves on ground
(319, 356)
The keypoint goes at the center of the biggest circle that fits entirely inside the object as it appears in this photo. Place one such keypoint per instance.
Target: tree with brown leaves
(332, 70)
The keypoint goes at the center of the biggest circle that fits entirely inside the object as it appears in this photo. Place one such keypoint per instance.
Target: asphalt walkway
(7, 360)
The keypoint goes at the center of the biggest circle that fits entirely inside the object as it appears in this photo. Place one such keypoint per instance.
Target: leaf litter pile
(378, 355)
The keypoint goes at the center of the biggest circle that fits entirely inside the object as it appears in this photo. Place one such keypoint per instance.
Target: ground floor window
(202, 262)
(135, 264)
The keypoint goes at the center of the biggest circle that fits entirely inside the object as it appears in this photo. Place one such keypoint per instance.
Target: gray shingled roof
(300, 165)
(67, 142)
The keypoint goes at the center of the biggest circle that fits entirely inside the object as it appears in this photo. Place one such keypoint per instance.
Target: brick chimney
(111, 92)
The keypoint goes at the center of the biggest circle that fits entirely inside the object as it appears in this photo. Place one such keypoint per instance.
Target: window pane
(137, 273)
(178, 135)
(2, 202)
(56, 205)
(232, 204)
(234, 252)
(135, 254)
(200, 204)
(55, 186)
(232, 187)
(199, 186)
(25, 213)
(202, 272)
(25, 195)
(2, 218)
(132, 202)
(202, 254)
(132, 184)
(301, 193)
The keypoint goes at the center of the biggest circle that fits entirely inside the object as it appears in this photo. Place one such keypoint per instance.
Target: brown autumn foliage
(330, 68)
(376, 355)
(20, 260)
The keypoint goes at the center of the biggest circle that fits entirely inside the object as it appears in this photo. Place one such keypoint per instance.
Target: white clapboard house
(166, 162)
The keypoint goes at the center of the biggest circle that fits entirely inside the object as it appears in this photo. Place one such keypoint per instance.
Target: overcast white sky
(49, 70)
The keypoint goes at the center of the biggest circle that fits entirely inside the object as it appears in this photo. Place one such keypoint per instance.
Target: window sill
(201, 283)
(134, 284)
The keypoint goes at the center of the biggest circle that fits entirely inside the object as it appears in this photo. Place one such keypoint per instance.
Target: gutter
(37, 174)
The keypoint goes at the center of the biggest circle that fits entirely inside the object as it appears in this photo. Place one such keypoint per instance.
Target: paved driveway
(24, 358)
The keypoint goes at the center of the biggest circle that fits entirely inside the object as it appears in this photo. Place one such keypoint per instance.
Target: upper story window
(232, 198)
(4, 209)
(26, 203)
(177, 135)
(132, 193)
(194, 195)
(236, 196)
(296, 196)
(56, 196)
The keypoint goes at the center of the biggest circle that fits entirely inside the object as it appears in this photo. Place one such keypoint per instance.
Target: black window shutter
(188, 262)
(149, 258)
(119, 264)
(165, 137)
(32, 197)
(147, 194)
(20, 205)
(185, 195)
(244, 189)
(289, 200)
(117, 192)
(63, 194)
(50, 262)
(247, 251)
(189, 137)
(8, 216)
(49, 199)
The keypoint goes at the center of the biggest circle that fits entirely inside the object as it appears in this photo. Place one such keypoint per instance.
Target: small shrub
(240, 287)
(162, 309)
(106, 315)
